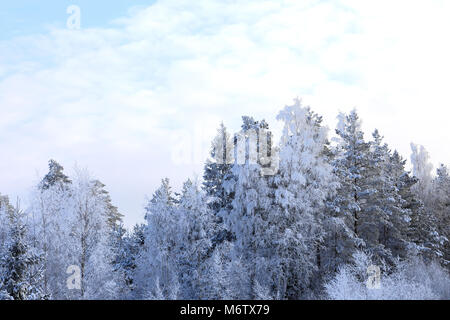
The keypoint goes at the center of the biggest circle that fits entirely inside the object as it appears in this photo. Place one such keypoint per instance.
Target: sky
(136, 93)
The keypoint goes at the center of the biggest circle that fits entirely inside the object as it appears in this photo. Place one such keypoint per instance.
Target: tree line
(300, 219)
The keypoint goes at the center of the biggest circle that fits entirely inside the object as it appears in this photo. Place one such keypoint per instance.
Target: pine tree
(55, 176)
(351, 163)
(113, 215)
(400, 203)
(384, 207)
(352, 167)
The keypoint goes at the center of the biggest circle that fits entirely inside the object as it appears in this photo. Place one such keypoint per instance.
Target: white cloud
(119, 99)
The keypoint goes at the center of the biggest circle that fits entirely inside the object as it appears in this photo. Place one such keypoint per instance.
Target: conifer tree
(441, 211)
(55, 176)
(217, 173)
(20, 264)
(423, 230)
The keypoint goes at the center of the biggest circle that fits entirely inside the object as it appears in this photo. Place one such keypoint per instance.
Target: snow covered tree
(217, 168)
(157, 272)
(89, 240)
(50, 209)
(303, 185)
(423, 227)
(217, 280)
(353, 168)
(399, 203)
(249, 218)
(122, 260)
(422, 169)
(306, 219)
(441, 210)
(127, 247)
(5, 212)
(351, 161)
(385, 210)
(196, 226)
(21, 268)
(70, 222)
(217, 172)
(412, 279)
(114, 217)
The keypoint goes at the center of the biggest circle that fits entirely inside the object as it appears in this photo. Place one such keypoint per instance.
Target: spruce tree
(217, 173)
(21, 266)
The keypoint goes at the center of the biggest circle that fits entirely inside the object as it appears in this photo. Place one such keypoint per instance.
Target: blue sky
(24, 17)
(137, 93)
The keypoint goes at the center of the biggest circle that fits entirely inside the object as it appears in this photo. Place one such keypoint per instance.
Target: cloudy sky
(137, 92)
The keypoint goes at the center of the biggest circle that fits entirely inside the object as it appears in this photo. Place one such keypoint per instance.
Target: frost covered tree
(127, 248)
(249, 218)
(422, 169)
(354, 167)
(49, 230)
(5, 212)
(20, 265)
(423, 230)
(217, 280)
(412, 279)
(400, 205)
(196, 226)
(114, 217)
(217, 173)
(157, 271)
(217, 168)
(441, 210)
(306, 219)
(73, 223)
(369, 199)
(385, 206)
(303, 185)
(351, 162)
(89, 242)
(123, 260)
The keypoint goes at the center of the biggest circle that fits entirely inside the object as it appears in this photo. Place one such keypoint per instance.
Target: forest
(319, 214)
